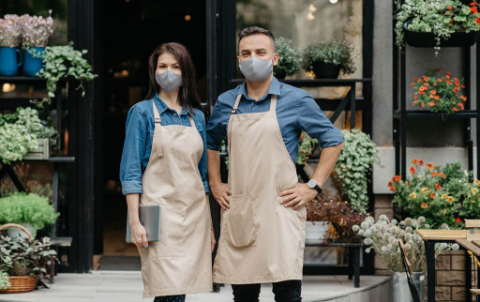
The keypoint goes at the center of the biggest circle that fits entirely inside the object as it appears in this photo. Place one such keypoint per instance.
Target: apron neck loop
(192, 123)
(273, 102)
(156, 115)
(237, 102)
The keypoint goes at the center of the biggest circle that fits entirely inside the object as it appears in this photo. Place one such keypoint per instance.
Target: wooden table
(431, 237)
(469, 246)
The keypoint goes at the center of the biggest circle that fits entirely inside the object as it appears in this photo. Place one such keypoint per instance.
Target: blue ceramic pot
(33, 61)
(8, 61)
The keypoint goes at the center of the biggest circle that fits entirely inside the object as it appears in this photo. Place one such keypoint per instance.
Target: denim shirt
(296, 111)
(139, 137)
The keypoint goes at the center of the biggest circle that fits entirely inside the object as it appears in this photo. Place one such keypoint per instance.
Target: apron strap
(237, 102)
(273, 102)
(192, 123)
(157, 140)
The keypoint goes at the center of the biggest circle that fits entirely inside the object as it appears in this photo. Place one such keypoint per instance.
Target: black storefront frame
(221, 48)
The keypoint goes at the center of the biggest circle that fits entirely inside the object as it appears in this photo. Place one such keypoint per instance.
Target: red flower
(455, 109)
(458, 219)
(396, 178)
(474, 10)
(473, 3)
(432, 195)
(437, 187)
(450, 7)
(478, 20)
(451, 20)
(412, 170)
(390, 183)
(392, 188)
(420, 162)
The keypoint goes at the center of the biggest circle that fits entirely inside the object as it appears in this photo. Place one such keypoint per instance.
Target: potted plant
(64, 61)
(9, 40)
(317, 225)
(35, 33)
(353, 166)
(382, 237)
(22, 132)
(25, 262)
(4, 282)
(29, 210)
(306, 146)
(439, 94)
(437, 23)
(431, 191)
(327, 59)
(290, 58)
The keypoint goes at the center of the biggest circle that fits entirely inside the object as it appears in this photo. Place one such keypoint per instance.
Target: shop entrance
(131, 30)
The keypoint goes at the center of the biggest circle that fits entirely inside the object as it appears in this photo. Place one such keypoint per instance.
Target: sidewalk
(127, 286)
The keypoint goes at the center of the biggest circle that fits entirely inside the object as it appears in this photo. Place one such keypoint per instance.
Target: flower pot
(20, 284)
(8, 61)
(317, 230)
(42, 152)
(401, 291)
(281, 74)
(326, 70)
(14, 232)
(33, 61)
(427, 39)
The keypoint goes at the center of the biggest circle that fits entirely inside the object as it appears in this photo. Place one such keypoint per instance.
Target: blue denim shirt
(296, 111)
(139, 137)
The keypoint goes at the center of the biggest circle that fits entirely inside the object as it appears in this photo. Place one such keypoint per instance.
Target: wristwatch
(312, 184)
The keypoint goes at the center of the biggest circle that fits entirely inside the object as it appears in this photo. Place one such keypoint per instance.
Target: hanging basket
(427, 39)
(19, 284)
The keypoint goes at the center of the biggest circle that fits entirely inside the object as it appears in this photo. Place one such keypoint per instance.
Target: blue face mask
(256, 70)
(169, 81)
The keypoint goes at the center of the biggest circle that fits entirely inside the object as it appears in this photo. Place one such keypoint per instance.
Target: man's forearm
(213, 165)
(327, 161)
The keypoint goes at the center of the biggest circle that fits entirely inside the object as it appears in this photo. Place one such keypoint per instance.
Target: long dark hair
(187, 96)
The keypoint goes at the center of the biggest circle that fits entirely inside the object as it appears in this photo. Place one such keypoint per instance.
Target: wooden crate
(41, 153)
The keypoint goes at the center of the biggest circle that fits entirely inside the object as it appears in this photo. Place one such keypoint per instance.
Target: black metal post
(430, 253)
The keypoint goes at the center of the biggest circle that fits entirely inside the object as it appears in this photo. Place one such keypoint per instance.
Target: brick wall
(450, 267)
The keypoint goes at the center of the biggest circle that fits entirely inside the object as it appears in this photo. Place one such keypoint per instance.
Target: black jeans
(180, 298)
(285, 291)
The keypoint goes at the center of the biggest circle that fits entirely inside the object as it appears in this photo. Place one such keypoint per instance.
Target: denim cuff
(131, 187)
(206, 186)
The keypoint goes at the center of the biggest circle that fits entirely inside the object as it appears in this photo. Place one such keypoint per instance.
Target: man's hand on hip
(297, 197)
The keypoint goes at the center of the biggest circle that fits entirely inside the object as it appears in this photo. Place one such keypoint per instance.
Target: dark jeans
(285, 291)
(170, 299)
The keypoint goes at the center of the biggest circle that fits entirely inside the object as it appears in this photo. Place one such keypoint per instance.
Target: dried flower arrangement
(10, 34)
(36, 30)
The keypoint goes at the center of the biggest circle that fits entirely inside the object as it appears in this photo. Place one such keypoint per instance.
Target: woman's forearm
(133, 203)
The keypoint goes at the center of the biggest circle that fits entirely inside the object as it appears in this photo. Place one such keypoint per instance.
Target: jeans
(285, 291)
(170, 299)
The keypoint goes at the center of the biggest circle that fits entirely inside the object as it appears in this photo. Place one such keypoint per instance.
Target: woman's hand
(221, 193)
(213, 240)
(139, 235)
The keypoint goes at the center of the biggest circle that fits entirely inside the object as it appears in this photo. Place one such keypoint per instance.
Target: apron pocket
(241, 221)
(172, 234)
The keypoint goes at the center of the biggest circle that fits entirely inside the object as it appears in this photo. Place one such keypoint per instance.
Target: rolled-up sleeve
(133, 152)
(312, 120)
(216, 130)
(202, 165)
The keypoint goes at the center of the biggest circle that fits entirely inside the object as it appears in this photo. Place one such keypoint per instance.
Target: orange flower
(429, 166)
(425, 78)
(413, 103)
(415, 161)
(431, 96)
(432, 195)
(420, 81)
(392, 188)
(464, 98)
(443, 175)
(461, 105)
(434, 174)
(423, 104)
(463, 86)
(432, 103)
(439, 80)
(424, 205)
(447, 77)
(449, 73)
(455, 109)
(450, 7)
(412, 170)
(477, 19)
(437, 186)
(473, 3)
(421, 88)
(437, 97)
(474, 10)
(455, 89)
(420, 162)
(390, 183)
(433, 92)
(396, 178)
(412, 84)
(415, 79)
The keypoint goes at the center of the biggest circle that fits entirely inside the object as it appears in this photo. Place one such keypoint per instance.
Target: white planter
(42, 152)
(401, 291)
(16, 232)
(316, 231)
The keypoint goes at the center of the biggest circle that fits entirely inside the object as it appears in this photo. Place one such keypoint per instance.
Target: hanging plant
(61, 62)
(354, 163)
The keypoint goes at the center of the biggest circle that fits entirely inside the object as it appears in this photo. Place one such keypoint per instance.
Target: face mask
(169, 80)
(256, 70)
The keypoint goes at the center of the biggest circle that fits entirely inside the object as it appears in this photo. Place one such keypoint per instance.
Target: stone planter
(317, 231)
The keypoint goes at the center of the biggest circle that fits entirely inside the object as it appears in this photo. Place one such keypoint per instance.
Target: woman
(164, 163)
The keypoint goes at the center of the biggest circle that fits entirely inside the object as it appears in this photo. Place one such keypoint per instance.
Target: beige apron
(181, 262)
(261, 241)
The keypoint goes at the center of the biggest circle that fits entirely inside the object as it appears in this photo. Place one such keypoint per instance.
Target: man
(262, 236)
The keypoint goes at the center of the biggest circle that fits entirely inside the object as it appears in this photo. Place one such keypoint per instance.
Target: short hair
(255, 30)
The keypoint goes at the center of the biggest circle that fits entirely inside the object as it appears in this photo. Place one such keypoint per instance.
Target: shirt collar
(273, 89)
(162, 107)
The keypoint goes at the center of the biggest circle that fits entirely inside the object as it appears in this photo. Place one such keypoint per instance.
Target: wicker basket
(19, 284)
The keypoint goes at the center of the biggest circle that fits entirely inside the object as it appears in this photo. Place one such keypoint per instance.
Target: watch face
(312, 183)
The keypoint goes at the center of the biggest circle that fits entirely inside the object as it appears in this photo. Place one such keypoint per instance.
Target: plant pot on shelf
(15, 232)
(9, 63)
(401, 291)
(33, 61)
(42, 152)
(427, 39)
(316, 230)
(325, 70)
